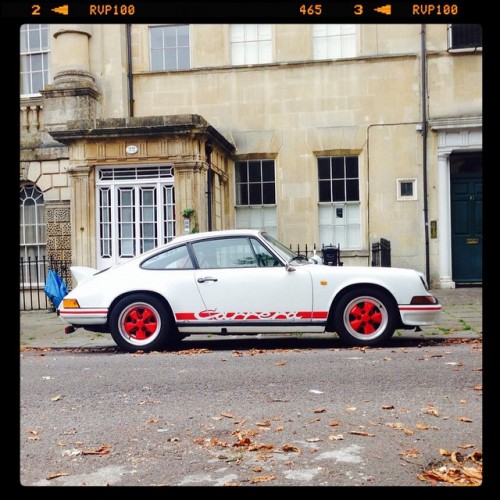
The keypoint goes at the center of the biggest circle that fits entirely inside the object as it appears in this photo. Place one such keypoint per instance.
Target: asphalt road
(252, 412)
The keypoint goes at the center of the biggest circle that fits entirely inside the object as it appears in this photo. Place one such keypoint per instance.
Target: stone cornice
(454, 123)
(156, 126)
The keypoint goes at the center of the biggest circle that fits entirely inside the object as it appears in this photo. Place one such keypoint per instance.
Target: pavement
(462, 317)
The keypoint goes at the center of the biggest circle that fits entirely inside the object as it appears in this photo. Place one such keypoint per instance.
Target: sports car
(240, 282)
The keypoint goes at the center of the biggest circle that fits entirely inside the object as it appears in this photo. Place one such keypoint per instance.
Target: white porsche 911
(243, 282)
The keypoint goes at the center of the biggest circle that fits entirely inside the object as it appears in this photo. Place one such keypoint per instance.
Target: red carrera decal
(212, 315)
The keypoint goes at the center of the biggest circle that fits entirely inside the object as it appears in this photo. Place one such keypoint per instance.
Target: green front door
(467, 217)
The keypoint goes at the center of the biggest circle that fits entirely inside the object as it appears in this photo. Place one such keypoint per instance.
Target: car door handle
(206, 278)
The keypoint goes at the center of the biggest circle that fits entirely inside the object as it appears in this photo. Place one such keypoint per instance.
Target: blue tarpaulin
(55, 288)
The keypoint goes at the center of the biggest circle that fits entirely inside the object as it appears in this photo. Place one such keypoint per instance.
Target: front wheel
(365, 317)
(141, 323)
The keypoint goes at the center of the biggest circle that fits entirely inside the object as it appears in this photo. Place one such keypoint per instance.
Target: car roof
(215, 234)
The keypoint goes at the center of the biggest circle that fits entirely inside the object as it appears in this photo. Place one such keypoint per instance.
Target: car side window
(175, 258)
(225, 253)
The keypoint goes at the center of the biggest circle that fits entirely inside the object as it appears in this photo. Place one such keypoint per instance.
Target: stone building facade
(128, 123)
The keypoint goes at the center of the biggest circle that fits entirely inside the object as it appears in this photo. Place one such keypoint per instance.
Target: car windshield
(282, 250)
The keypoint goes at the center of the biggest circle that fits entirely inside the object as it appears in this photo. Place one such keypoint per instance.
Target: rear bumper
(84, 317)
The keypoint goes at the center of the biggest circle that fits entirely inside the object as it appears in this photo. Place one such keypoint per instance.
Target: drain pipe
(208, 153)
(424, 147)
(129, 72)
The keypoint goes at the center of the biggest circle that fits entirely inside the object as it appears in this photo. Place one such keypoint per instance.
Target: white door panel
(256, 293)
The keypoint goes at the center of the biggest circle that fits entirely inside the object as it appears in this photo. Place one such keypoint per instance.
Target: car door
(242, 284)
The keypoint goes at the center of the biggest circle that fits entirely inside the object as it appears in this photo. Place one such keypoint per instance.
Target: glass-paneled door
(136, 211)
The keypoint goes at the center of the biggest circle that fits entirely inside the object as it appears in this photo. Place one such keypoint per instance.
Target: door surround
(454, 135)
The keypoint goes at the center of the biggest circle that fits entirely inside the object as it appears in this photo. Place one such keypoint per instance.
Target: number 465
(311, 10)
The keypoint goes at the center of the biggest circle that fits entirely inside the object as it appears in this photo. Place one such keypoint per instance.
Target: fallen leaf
(266, 423)
(396, 425)
(313, 440)
(227, 415)
(444, 452)
(431, 411)
(464, 419)
(314, 420)
(410, 453)
(336, 437)
(260, 446)
(387, 407)
(56, 474)
(103, 450)
(361, 433)
(478, 387)
(280, 363)
(466, 446)
(56, 398)
(290, 447)
(462, 471)
(457, 458)
(334, 423)
(320, 410)
(422, 427)
(243, 442)
(261, 479)
(351, 408)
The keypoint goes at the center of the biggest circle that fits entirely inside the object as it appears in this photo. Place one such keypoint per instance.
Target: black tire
(366, 317)
(141, 322)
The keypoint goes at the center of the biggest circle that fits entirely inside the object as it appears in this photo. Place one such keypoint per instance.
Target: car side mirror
(289, 268)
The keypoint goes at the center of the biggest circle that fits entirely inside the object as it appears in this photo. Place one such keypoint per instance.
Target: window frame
(240, 49)
(38, 242)
(29, 55)
(399, 185)
(334, 42)
(253, 183)
(471, 46)
(176, 49)
(339, 216)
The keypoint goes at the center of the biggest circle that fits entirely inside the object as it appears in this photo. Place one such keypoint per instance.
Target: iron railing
(329, 253)
(33, 274)
(381, 253)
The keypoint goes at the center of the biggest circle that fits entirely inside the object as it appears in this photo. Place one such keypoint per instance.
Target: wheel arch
(142, 292)
(330, 323)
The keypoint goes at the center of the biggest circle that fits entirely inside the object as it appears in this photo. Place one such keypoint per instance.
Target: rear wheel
(141, 322)
(366, 317)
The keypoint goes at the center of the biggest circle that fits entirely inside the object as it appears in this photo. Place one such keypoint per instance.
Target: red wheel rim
(139, 323)
(365, 318)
